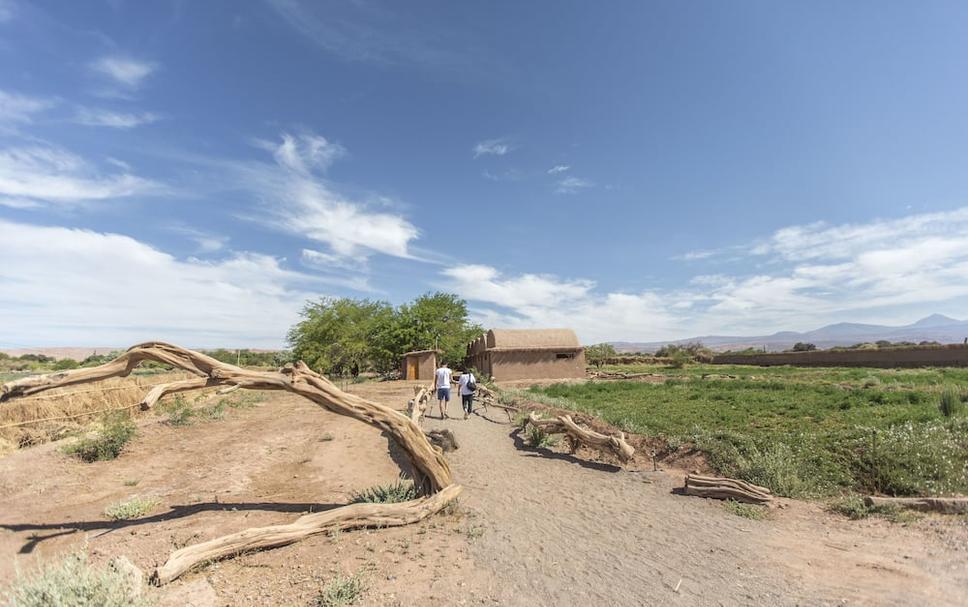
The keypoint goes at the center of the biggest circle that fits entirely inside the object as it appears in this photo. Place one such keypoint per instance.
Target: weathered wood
(563, 424)
(420, 402)
(945, 505)
(726, 488)
(345, 517)
(430, 470)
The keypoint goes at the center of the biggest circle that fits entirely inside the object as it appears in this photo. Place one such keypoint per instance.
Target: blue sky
(195, 171)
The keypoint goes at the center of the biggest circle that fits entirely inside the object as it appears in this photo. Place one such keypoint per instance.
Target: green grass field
(800, 431)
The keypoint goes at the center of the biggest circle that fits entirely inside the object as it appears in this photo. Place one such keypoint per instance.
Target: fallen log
(345, 517)
(944, 505)
(430, 470)
(726, 488)
(563, 424)
(421, 400)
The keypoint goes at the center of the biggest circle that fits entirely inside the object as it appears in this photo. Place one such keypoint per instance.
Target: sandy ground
(534, 527)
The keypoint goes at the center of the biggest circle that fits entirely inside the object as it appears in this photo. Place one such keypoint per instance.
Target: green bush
(537, 437)
(854, 508)
(750, 511)
(107, 443)
(402, 490)
(341, 590)
(180, 412)
(72, 582)
(951, 403)
(135, 507)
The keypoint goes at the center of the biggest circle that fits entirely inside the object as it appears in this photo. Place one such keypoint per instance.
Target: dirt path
(556, 530)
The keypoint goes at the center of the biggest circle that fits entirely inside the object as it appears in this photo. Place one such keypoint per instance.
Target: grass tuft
(854, 508)
(107, 443)
(951, 403)
(750, 511)
(135, 507)
(73, 582)
(402, 490)
(341, 590)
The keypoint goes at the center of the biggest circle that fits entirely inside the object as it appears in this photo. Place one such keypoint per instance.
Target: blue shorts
(443, 394)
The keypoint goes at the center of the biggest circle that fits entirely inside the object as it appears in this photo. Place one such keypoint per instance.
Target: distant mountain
(936, 327)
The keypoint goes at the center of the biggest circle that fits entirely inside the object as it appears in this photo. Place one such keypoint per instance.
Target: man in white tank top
(442, 384)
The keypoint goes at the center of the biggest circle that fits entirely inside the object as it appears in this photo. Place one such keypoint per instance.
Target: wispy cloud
(572, 185)
(872, 272)
(492, 147)
(301, 201)
(508, 175)
(7, 10)
(113, 119)
(39, 174)
(17, 108)
(61, 287)
(206, 242)
(124, 71)
(558, 168)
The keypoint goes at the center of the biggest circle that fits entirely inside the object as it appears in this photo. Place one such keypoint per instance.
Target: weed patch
(341, 590)
(135, 507)
(73, 582)
(107, 443)
(750, 511)
(402, 490)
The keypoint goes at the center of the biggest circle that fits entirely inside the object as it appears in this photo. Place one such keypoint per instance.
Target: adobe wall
(948, 356)
(511, 365)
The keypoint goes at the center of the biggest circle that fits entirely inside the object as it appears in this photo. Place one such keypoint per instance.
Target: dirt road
(556, 530)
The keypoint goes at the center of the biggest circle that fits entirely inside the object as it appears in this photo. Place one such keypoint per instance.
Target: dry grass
(87, 401)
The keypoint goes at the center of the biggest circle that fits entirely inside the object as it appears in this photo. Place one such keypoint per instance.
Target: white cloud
(492, 147)
(124, 71)
(571, 185)
(558, 168)
(32, 175)
(302, 202)
(882, 271)
(17, 108)
(66, 286)
(112, 119)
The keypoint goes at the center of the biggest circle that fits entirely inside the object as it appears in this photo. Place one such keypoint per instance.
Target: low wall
(947, 356)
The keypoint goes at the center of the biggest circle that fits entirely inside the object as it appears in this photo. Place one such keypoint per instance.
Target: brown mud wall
(948, 356)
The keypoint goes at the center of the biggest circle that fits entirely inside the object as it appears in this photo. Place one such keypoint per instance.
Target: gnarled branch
(563, 424)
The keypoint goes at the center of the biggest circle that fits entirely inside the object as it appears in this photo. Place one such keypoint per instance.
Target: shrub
(402, 490)
(950, 404)
(72, 582)
(341, 590)
(135, 507)
(108, 443)
(750, 511)
(803, 347)
(854, 508)
(180, 412)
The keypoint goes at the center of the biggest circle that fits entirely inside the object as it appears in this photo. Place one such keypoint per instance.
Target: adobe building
(419, 365)
(507, 354)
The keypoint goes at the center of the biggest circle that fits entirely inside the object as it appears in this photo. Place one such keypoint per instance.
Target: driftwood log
(945, 505)
(345, 517)
(486, 397)
(420, 402)
(430, 470)
(563, 424)
(726, 489)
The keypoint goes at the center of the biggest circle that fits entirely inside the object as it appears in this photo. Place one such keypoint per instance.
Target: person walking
(442, 383)
(467, 385)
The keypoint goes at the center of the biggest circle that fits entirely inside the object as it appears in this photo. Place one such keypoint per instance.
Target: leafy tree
(803, 347)
(335, 335)
(437, 320)
(65, 364)
(599, 354)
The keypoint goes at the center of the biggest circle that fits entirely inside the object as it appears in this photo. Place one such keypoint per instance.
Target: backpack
(471, 384)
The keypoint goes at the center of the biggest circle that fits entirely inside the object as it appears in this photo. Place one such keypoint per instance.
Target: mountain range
(935, 327)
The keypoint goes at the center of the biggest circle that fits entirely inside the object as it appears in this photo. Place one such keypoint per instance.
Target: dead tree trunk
(945, 505)
(563, 424)
(430, 470)
(726, 489)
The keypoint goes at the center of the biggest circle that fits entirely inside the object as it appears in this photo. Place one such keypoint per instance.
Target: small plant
(341, 590)
(131, 482)
(950, 404)
(854, 508)
(750, 511)
(401, 491)
(539, 438)
(326, 437)
(72, 582)
(180, 412)
(135, 507)
(107, 443)
(213, 413)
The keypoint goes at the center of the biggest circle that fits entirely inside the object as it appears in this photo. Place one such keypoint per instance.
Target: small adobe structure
(509, 354)
(419, 364)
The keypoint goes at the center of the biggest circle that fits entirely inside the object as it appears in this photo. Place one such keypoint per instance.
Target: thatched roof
(532, 339)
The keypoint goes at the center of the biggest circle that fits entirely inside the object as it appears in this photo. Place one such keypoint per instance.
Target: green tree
(803, 347)
(336, 336)
(437, 320)
(599, 354)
